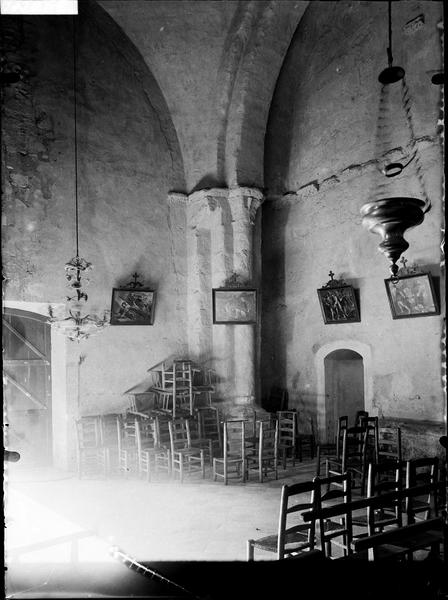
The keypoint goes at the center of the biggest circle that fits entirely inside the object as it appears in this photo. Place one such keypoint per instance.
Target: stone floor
(60, 531)
(162, 520)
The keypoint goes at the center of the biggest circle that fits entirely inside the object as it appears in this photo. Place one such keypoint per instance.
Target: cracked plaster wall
(125, 172)
(321, 164)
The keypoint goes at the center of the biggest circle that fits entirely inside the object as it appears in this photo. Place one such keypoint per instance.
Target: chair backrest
(360, 415)
(290, 523)
(382, 478)
(108, 429)
(372, 440)
(354, 441)
(88, 432)
(420, 471)
(179, 434)
(268, 440)
(126, 431)
(287, 427)
(234, 438)
(209, 423)
(341, 426)
(145, 433)
(337, 487)
(389, 443)
(161, 431)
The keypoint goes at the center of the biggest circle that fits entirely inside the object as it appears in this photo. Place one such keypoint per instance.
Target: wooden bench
(429, 533)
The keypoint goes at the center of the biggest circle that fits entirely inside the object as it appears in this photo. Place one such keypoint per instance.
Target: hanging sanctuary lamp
(391, 214)
(77, 325)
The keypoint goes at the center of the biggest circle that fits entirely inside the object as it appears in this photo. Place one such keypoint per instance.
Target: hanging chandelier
(74, 323)
(391, 215)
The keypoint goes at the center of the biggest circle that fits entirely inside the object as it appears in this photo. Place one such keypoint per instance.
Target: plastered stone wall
(321, 165)
(127, 164)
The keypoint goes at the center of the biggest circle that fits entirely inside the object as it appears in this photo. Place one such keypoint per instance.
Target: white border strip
(39, 7)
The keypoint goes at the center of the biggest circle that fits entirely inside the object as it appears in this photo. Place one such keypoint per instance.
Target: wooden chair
(382, 478)
(353, 457)
(91, 454)
(359, 417)
(287, 429)
(265, 457)
(127, 443)
(199, 441)
(331, 529)
(293, 536)
(334, 449)
(421, 471)
(149, 449)
(184, 456)
(234, 451)
(108, 435)
(389, 443)
(204, 388)
(162, 458)
(372, 440)
(209, 426)
(175, 389)
(306, 440)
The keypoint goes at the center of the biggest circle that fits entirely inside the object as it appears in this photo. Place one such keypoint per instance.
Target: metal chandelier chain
(76, 134)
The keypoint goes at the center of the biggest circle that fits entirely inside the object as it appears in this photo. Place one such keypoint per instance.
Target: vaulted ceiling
(216, 64)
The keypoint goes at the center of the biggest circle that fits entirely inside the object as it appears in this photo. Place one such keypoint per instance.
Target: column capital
(177, 198)
(249, 199)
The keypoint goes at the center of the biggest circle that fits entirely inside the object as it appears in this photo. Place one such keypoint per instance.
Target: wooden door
(27, 385)
(344, 388)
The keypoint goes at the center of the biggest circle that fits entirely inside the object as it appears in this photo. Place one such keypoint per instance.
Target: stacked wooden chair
(91, 452)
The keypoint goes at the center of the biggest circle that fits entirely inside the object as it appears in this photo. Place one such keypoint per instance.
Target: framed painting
(234, 305)
(339, 304)
(412, 296)
(132, 307)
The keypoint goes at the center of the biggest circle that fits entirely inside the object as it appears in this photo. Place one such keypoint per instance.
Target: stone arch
(150, 86)
(365, 351)
(250, 86)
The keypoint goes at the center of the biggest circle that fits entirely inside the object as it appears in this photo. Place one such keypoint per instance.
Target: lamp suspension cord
(76, 137)
(389, 49)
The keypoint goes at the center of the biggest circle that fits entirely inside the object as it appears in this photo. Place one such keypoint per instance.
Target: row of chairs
(310, 519)
(356, 446)
(145, 444)
(155, 442)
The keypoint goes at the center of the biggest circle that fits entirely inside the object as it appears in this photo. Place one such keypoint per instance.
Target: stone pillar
(244, 203)
(219, 227)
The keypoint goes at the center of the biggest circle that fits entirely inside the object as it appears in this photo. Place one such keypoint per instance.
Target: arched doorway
(344, 387)
(27, 385)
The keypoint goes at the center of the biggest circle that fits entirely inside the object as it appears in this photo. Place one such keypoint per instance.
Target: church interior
(223, 282)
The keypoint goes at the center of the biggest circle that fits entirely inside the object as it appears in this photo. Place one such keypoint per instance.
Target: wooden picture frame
(234, 305)
(412, 296)
(132, 306)
(339, 304)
